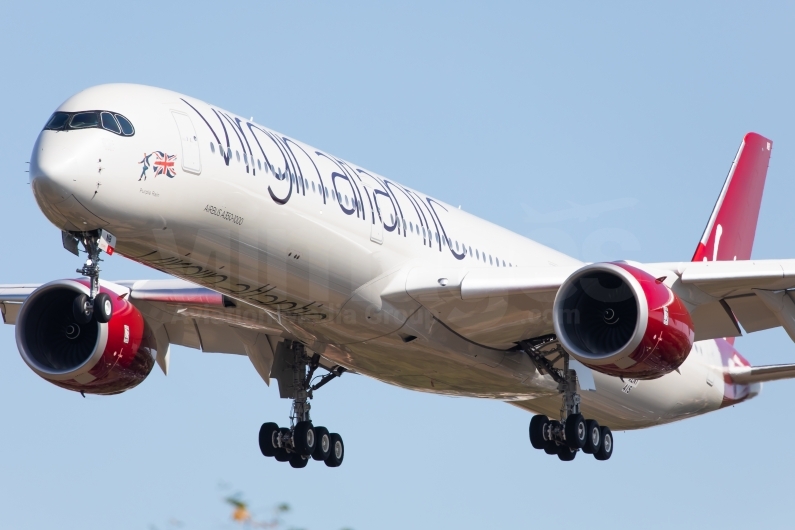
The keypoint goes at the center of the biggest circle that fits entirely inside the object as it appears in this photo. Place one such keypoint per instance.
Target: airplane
(309, 264)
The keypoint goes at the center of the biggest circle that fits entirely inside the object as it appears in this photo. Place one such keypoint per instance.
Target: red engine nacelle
(621, 321)
(93, 358)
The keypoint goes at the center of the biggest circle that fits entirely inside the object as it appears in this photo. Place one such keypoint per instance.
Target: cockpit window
(109, 122)
(126, 126)
(91, 119)
(57, 121)
(84, 120)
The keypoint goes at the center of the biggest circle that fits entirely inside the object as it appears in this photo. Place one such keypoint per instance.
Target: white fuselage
(307, 244)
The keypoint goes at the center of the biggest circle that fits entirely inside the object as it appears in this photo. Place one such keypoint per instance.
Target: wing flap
(714, 320)
(753, 313)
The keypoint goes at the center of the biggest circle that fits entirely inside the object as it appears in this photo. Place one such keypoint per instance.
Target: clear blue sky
(508, 109)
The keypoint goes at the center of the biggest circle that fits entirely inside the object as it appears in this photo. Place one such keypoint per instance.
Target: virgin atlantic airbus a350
(312, 266)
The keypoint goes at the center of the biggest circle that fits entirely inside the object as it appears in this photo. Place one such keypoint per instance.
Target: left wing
(181, 313)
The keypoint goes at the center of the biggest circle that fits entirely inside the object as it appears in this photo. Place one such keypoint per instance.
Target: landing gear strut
(302, 440)
(96, 305)
(573, 432)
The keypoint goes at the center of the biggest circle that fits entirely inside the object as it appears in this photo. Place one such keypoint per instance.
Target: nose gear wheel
(96, 305)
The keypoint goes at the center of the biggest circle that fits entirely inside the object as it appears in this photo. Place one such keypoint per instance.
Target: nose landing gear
(573, 433)
(302, 440)
(96, 305)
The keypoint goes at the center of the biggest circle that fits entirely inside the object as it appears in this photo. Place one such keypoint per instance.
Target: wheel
(566, 454)
(103, 308)
(537, 425)
(267, 439)
(304, 438)
(281, 454)
(81, 310)
(550, 446)
(337, 452)
(322, 444)
(606, 449)
(575, 431)
(298, 461)
(593, 437)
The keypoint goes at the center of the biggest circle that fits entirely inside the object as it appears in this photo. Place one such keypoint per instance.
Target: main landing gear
(572, 433)
(302, 440)
(95, 305)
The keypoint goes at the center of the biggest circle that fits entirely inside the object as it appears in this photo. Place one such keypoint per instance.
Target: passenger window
(237, 154)
(84, 120)
(313, 187)
(126, 127)
(490, 262)
(212, 147)
(245, 157)
(259, 165)
(57, 121)
(109, 122)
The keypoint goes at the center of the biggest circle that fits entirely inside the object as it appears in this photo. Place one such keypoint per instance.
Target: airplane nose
(62, 172)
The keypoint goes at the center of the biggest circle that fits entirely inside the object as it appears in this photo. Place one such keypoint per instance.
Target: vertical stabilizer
(731, 228)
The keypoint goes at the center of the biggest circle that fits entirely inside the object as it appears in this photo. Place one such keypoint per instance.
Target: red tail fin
(731, 228)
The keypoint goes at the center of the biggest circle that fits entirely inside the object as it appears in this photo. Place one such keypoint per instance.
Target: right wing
(499, 307)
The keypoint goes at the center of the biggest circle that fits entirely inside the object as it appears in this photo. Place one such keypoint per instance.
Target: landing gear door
(191, 161)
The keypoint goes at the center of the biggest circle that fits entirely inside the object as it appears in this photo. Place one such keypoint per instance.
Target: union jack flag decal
(164, 164)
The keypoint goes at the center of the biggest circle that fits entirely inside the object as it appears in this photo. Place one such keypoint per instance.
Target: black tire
(337, 452)
(282, 455)
(103, 308)
(322, 444)
(593, 437)
(267, 437)
(606, 448)
(575, 431)
(81, 309)
(537, 424)
(566, 454)
(304, 438)
(298, 461)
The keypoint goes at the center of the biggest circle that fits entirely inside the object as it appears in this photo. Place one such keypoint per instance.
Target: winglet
(731, 228)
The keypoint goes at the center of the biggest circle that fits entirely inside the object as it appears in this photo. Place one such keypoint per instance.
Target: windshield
(84, 120)
(90, 119)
